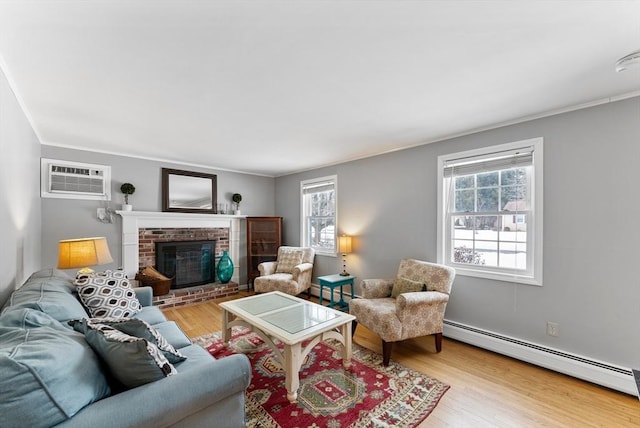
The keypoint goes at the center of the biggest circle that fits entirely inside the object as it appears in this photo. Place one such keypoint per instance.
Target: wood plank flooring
(487, 389)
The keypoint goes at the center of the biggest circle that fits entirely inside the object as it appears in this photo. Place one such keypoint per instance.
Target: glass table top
(286, 313)
(300, 317)
(264, 303)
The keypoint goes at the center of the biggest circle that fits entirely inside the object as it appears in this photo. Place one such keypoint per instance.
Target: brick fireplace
(141, 229)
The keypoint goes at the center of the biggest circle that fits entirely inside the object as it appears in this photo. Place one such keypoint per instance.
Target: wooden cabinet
(264, 237)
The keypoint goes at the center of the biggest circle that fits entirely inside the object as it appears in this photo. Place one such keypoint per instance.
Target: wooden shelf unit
(264, 237)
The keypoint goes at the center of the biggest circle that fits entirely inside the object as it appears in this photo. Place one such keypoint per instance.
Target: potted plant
(237, 198)
(127, 189)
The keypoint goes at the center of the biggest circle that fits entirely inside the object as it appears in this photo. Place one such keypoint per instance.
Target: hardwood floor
(487, 389)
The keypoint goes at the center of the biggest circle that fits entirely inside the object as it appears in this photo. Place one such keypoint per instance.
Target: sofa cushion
(151, 314)
(173, 333)
(288, 258)
(107, 294)
(404, 285)
(47, 371)
(51, 291)
(133, 361)
(134, 327)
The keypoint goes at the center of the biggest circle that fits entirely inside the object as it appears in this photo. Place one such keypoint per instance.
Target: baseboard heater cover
(598, 372)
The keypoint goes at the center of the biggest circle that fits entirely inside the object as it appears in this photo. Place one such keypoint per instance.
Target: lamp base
(85, 271)
(344, 273)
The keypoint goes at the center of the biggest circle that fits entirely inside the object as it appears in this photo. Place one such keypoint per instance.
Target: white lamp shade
(344, 244)
(79, 253)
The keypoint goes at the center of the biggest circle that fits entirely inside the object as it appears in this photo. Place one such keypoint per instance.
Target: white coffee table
(291, 321)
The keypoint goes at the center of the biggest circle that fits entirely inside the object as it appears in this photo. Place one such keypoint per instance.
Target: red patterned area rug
(365, 395)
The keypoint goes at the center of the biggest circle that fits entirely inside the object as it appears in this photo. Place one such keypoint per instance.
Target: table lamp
(344, 246)
(82, 253)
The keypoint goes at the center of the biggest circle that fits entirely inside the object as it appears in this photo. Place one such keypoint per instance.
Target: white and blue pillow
(107, 294)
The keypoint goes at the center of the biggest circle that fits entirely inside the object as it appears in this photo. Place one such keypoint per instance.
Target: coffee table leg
(347, 350)
(292, 363)
(226, 331)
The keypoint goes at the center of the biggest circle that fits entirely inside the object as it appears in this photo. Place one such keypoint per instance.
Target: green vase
(225, 268)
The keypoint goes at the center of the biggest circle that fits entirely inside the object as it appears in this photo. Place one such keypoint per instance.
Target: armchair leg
(438, 342)
(309, 293)
(386, 352)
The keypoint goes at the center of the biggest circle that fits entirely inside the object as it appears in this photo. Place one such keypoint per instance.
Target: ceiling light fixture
(631, 60)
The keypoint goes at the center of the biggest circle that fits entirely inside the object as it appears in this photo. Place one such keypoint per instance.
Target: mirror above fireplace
(188, 191)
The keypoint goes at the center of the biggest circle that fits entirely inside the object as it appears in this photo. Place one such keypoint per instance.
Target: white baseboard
(598, 372)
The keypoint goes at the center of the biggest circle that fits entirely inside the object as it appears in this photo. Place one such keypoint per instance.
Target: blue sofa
(50, 376)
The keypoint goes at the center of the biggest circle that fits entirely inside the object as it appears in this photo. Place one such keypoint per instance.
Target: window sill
(327, 254)
(497, 276)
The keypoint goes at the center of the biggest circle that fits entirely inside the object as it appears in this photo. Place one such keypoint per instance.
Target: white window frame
(304, 235)
(533, 274)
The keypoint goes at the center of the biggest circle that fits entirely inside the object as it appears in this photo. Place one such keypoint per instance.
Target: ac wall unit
(75, 180)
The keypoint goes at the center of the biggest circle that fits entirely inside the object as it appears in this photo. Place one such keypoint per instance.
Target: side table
(333, 281)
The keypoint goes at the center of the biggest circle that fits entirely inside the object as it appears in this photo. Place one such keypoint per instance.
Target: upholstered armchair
(290, 273)
(411, 305)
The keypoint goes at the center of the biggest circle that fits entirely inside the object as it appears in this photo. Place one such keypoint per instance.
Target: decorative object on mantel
(225, 268)
(127, 189)
(150, 277)
(82, 253)
(237, 198)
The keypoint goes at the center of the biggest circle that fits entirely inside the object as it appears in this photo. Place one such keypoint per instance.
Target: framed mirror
(188, 191)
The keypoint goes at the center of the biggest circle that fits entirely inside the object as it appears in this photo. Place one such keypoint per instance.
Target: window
(490, 212)
(319, 214)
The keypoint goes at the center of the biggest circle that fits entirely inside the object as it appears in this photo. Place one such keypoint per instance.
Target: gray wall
(591, 244)
(70, 218)
(19, 194)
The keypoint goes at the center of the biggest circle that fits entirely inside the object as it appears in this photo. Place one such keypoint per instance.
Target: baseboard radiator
(594, 371)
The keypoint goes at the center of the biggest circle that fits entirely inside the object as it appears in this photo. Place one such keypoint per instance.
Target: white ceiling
(274, 87)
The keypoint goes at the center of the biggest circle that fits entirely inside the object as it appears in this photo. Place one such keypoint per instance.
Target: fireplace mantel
(133, 221)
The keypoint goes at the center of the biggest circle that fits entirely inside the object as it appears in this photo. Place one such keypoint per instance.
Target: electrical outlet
(553, 329)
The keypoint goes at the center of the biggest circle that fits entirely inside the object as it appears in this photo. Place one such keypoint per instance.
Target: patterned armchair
(422, 292)
(290, 273)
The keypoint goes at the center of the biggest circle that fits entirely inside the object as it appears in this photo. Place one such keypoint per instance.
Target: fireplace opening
(190, 263)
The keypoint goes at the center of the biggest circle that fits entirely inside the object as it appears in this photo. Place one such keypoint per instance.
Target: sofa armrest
(376, 288)
(424, 310)
(302, 275)
(267, 268)
(300, 269)
(418, 298)
(144, 295)
(170, 400)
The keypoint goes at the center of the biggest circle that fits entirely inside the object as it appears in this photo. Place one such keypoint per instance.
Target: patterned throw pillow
(133, 327)
(133, 361)
(404, 285)
(107, 294)
(288, 259)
